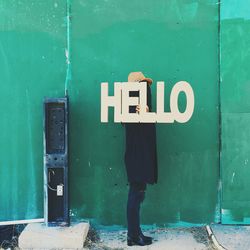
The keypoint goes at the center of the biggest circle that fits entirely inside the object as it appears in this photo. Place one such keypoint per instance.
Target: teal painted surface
(169, 41)
(235, 104)
(32, 59)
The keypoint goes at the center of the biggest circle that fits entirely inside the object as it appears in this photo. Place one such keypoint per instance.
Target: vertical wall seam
(68, 46)
(219, 108)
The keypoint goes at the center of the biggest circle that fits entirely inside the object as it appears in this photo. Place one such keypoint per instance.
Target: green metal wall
(32, 44)
(235, 105)
(167, 40)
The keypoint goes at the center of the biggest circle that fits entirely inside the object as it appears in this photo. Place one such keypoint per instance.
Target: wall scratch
(232, 179)
(68, 49)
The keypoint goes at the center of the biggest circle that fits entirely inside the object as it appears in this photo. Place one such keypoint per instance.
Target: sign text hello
(121, 102)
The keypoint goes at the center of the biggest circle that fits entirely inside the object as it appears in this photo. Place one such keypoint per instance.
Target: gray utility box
(55, 135)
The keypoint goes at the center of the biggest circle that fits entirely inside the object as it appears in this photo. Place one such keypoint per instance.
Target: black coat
(141, 155)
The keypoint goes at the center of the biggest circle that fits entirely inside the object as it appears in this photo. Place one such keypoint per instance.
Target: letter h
(111, 101)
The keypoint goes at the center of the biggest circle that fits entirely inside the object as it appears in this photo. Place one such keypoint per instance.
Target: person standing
(141, 164)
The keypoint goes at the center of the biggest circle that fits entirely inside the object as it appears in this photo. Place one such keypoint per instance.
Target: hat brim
(148, 80)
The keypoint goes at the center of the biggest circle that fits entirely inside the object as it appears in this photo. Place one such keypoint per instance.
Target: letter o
(185, 87)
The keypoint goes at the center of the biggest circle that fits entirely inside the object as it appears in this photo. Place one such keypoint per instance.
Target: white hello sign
(121, 102)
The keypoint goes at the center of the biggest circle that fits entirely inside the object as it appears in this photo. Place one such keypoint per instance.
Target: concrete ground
(194, 238)
(232, 237)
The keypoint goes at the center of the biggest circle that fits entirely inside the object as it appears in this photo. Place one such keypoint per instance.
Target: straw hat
(139, 77)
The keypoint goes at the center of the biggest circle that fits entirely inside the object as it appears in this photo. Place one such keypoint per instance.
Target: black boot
(137, 241)
(145, 238)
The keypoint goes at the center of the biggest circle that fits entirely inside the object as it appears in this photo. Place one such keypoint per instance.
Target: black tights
(136, 196)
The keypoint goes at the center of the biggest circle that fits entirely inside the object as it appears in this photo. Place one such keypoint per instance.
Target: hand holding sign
(138, 107)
